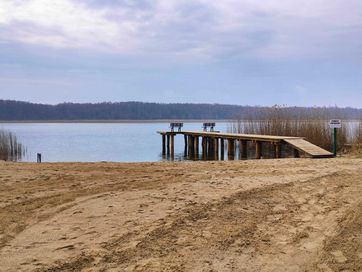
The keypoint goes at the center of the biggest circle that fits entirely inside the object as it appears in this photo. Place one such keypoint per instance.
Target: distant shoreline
(113, 121)
(133, 121)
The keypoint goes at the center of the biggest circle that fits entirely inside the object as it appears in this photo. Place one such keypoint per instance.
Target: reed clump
(277, 121)
(10, 148)
(357, 137)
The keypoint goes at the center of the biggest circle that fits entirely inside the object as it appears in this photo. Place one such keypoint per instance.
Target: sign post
(335, 124)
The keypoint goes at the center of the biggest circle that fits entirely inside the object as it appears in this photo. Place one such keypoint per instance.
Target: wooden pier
(213, 145)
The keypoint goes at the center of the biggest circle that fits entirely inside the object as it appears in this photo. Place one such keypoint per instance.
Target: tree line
(18, 110)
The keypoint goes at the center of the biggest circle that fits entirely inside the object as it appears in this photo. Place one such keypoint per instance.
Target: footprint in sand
(339, 256)
(68, 247)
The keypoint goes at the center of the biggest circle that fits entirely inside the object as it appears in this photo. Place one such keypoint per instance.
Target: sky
(245, 52)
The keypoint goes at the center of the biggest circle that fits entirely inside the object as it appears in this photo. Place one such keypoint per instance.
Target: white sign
(335, 123)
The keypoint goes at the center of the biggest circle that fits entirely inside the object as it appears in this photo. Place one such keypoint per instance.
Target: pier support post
(277, 151)
(222, 148)
(204, 146)
(243, 146)
(296, 153)
(216, 148)
(168, 144)
(172, 145)
(231, 149)
(196, 143)
(163, 144)
(190, 145)
(258, 150)
(185, 140)
(210, 144)
(38, 157)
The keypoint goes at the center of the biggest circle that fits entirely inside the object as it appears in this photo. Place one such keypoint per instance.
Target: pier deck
(309, 148)
(212, 140)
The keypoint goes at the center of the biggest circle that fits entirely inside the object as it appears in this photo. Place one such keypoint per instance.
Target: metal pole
(335, 142)
(38, 158)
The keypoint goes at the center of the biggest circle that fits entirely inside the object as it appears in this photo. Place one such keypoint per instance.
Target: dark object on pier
(210, 125)
(176, 125)
(38, 158)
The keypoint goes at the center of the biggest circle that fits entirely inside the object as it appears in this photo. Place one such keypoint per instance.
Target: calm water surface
(79, 142)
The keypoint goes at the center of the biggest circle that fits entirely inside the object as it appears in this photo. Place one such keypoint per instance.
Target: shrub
(277, 121)
(10, 148)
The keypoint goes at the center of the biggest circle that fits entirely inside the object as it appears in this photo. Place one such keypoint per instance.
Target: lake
(94, 142)
(117, 142)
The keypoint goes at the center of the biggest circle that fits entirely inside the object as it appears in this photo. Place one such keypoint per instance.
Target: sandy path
(271, 215)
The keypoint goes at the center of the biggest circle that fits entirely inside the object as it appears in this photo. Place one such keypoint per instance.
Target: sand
(268, 215)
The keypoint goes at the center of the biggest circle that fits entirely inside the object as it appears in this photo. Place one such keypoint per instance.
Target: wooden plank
(277, 150)
(231, 148)
(168, 143)
(172, 145)
(309, 148)
(196, 142)
(243, 149)
(265, 138)
(163, 144)
(222, 149)
(258, 150)
(216, 148)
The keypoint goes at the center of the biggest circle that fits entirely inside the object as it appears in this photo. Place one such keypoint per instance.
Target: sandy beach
(268, 215)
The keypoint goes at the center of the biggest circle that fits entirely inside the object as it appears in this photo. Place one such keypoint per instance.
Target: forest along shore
(269, 215)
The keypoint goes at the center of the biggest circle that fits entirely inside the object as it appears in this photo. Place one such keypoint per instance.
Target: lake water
(93, 142)
(118, 142)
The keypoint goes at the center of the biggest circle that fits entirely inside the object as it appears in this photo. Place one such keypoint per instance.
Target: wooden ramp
(309, 148)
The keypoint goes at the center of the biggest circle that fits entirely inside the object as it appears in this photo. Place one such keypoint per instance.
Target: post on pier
(185, 139)
(163, 144)
(296, 153)
(277, 150)
(172, 144)
(210, 144)
(197, 145)
(168, 144)
(222, 148)
(189, 144)
(203, 146)
(243, 149)
(231, 149)
(216, 148)
(258, 150)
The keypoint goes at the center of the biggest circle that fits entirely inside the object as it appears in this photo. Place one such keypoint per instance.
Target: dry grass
(278, 121)
(10, 148)
(357, 137)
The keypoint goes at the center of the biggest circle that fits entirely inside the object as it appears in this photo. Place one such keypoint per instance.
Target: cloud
(270, 29)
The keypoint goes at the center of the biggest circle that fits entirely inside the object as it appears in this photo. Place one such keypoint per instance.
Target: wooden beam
(163, 144)
(222, 148)
(185, 140)
(216, 148)
(258, 150)
(196, 143)
(277, 150)
(168, 144)
(210, 145)
(204, 146)
(243, 146)
(231, 149)
(172, 145)
(190, 145)
(296, 153)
